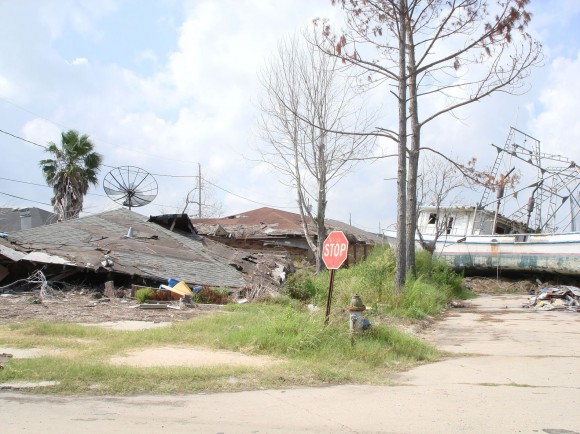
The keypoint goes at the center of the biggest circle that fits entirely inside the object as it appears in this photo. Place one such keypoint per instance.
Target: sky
(169, 86)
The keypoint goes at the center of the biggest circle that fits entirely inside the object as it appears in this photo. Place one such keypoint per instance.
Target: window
(449, 224)
(432, 219)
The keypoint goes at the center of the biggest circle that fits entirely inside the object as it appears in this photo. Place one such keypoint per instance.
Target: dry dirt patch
(174, 356)
(82, 307)
(129, 325)
(29, 353)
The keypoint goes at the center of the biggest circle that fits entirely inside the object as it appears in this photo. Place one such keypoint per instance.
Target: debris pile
(561, 297)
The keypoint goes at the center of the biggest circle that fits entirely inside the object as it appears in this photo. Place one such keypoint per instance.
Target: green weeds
(304, 350)
(373, 280)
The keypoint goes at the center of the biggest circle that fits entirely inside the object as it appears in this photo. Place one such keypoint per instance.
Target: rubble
(82, 304)
(562, 297)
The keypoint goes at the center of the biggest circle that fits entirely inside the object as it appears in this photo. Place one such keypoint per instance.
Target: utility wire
(245, 198)
(170, 176)
(42, 185)
(21, 138)
(23, 198)
(95, 137)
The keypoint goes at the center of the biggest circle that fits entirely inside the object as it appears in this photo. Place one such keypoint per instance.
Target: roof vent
(129, 233)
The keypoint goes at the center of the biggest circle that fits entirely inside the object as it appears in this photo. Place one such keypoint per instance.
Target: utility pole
(199, 190)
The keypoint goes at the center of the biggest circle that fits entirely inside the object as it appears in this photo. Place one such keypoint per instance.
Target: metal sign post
(334, 253)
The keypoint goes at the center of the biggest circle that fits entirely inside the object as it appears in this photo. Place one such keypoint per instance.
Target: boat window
(521, 238)
(449, 224)
(432, 219)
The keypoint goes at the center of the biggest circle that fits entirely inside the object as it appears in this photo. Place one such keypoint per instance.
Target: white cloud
(80, 61)
(41, 131)
(198, 106)
(7, 88)
(557, 123)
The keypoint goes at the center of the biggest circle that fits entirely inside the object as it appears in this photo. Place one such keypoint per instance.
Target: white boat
(557, 253)
(475, 238)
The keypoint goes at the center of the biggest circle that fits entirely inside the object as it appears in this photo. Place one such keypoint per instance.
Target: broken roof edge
(197, 264)
(174, 221)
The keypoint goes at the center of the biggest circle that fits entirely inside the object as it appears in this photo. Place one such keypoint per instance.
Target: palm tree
(73, 167)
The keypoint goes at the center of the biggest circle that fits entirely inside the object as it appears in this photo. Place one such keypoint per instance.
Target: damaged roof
(270, 222)
(104, 242)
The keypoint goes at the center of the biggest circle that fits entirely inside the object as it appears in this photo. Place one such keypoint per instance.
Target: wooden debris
(110, 289)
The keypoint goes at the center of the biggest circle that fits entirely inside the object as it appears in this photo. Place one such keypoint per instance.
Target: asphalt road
(522, 376)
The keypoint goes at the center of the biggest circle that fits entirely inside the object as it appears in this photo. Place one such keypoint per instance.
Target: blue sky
(167, 84)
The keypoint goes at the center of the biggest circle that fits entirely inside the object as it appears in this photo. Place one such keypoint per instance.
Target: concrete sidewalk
(522, 374)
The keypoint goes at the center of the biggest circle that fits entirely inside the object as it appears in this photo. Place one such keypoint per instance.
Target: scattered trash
(561, 297)
(178, 291)
(456, 304)
(153, 306)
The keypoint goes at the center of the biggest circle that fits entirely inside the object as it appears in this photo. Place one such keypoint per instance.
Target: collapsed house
(120, 245)
(259, 267)
(272, 230)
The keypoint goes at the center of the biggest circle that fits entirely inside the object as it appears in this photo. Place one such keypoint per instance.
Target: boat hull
(548, 253)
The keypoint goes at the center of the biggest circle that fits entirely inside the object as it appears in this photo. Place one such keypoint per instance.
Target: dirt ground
(82, 307)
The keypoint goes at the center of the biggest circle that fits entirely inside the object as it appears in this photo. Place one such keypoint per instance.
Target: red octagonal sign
(334, 250)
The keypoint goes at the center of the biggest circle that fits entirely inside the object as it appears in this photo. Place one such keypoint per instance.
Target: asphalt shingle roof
(152, 251)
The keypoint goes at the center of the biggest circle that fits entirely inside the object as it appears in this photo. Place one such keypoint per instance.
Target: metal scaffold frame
(557, 183)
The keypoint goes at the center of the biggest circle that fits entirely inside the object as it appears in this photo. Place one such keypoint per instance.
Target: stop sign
(334, 250)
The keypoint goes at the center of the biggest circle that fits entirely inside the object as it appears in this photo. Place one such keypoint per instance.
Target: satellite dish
(130, 186)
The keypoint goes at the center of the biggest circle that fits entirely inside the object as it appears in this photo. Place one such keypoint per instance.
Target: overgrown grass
(305, 352)
(373, 280)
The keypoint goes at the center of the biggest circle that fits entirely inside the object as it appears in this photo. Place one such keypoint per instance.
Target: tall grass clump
(373, 279)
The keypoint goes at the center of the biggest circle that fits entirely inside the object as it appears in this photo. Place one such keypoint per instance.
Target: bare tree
(305, 98)
(439, 54)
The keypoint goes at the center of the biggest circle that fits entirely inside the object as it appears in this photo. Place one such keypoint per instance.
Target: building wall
(298, 252)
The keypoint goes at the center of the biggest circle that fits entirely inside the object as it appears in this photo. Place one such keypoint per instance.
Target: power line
(24, 182)
(23, 198)
(170, 176)
(42, 185)
(21, 138)
(249, 200)
(95, 137)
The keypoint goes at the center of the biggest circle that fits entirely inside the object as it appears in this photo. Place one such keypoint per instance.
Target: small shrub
(423, 263)
(144, 294)
(208, 295)
(301, 285)
(443, 274)
(421, 298)
(438, 272)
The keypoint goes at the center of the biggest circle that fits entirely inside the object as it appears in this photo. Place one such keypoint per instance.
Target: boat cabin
(465, 220)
